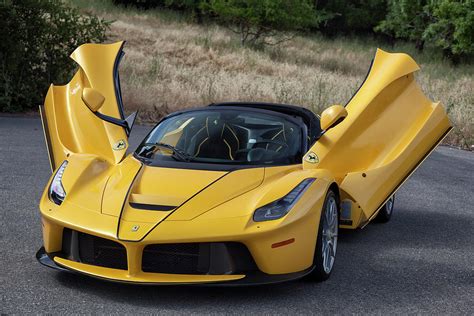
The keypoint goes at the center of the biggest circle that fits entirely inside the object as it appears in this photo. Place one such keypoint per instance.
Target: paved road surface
(420, 262)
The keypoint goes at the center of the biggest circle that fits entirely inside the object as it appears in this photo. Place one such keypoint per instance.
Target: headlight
(56, 190)
(281, 207)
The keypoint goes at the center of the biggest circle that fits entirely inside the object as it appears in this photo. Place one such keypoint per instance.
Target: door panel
(69, 125)
(390, 128)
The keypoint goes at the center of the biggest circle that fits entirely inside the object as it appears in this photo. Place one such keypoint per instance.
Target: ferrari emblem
(121, 144)
(135, 228)
(311, 158)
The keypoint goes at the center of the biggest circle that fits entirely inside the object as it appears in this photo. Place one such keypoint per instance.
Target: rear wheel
(326, 244)
(386, 211)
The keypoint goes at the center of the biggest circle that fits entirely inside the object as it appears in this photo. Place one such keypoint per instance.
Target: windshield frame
(199, 165)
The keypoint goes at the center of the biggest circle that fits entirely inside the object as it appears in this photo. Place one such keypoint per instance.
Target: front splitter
(251, 279)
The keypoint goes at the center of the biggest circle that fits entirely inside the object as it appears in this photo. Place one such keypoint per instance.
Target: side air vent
(93, 250)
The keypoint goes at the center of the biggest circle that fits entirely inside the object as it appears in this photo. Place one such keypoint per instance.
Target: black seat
(216, 140)
(309, 118)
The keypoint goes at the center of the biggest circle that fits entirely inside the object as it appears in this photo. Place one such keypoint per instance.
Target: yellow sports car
(230, 193)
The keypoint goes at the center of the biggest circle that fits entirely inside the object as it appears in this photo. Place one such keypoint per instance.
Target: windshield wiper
(178, 154)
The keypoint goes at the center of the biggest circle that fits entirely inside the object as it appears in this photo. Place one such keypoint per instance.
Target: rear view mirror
(332, 116)
(93, 99)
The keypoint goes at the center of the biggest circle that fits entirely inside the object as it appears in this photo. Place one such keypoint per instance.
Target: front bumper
(122, 276)
(271, 265)
(275, 260)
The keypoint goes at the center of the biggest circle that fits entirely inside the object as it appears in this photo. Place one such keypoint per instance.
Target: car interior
(240, 138)
(232, 135)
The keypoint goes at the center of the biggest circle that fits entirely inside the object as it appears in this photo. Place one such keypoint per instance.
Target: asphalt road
(420, 262)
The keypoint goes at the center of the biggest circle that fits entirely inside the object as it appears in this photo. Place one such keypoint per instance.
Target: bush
(258, 20)
(406, 19)
(452, 27)
(447, 24)
(35, 42)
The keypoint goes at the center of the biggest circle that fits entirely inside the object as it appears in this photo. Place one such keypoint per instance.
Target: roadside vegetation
(172, 62)
(36, 38)
(180, 54)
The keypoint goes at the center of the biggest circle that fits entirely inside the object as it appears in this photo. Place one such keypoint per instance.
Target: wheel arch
(335, 188)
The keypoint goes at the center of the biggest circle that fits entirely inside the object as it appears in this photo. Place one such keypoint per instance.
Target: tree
(265, 21)
(447, 24)
(452, 27)
(406, 19)
(35, 42)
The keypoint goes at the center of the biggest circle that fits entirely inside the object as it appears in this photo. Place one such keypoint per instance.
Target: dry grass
(172, 64)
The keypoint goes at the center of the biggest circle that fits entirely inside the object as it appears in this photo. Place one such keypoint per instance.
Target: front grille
(93, 250)
(183, 258)
(171, 258)
(197, 258)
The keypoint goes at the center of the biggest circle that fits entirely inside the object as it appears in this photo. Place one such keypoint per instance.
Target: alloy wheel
(330, 230)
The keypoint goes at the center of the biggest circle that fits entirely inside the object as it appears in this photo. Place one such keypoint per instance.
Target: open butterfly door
(71, 126)
(390, 128)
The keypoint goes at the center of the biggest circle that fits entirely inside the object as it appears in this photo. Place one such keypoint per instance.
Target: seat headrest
(214, 127)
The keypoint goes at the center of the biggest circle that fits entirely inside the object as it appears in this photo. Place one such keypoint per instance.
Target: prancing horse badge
(121, 144)
(311, 158)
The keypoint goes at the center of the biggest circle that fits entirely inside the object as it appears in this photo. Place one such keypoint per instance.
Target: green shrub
(447, 24)
(35, 42)
(452, 27)
(406, 19)
(258, 20)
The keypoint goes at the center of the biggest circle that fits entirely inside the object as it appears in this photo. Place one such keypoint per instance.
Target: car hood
(156, 193)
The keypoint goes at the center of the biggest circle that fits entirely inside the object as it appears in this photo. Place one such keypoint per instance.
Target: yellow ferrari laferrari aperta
(232, 193)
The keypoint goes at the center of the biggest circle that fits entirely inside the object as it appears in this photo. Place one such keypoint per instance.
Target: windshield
(225, 136)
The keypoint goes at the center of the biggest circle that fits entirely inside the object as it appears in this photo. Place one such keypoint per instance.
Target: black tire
(385, 213)
(319, 274)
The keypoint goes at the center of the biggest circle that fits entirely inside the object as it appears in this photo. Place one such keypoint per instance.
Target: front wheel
(326, 243)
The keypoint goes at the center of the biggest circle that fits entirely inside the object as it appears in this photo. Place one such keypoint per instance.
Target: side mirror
(332, 116)
(93, 99)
